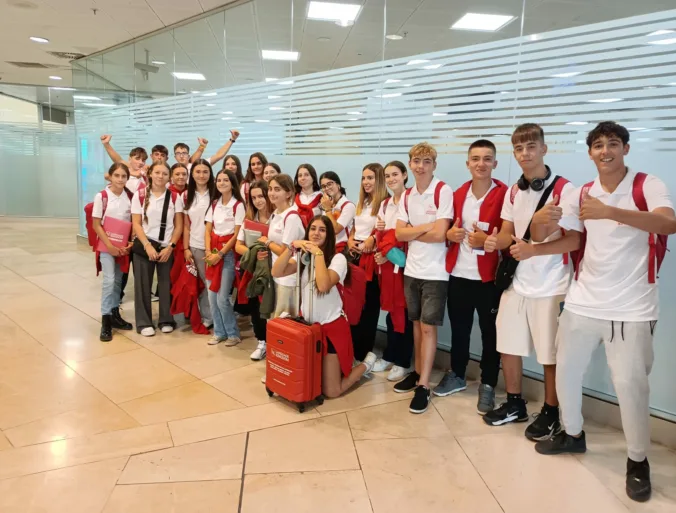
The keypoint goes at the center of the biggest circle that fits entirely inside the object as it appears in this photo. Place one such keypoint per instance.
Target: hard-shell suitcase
(294, 353)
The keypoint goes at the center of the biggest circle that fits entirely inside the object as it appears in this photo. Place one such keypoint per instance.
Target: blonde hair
(423, 149)
(379, 192)
(149, 188)
(528, 132)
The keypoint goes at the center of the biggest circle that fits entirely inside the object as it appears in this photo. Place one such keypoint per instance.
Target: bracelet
(233, 141)
(147, 242)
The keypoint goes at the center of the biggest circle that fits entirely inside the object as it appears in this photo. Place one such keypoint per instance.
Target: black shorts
(330, 349)
(426, 300)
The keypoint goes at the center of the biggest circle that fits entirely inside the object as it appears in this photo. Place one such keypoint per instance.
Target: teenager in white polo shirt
(529, 308)
(423, 220)
(614, 299)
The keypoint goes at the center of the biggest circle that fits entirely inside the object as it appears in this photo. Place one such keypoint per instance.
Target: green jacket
(262, 283)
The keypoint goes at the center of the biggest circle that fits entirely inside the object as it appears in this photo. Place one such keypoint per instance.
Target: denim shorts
(426, 300)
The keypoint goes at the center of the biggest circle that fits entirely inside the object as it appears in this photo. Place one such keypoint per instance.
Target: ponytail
(146, 201)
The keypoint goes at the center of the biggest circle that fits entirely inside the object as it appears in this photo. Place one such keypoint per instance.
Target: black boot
(106, 329)
(118, 322)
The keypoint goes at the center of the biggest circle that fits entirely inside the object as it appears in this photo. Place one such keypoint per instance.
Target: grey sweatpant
(629, 351)
(205, 311)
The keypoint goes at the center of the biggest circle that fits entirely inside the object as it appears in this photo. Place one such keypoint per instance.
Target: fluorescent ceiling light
(534, 37)
(63, 88)
(279, 55)
(417, 61)
(84, 97)
(277, 108)
(567, 75)
(606, 100)
(54, 77)
(433, 66)
(39, 39)
(663, 42)
(577, 123)
(187, 76)
(158, 63)
(210, 94)
(394, 37)
(262, 120)
(392, 80)
(330, 11)
(195, 92)
(99, 104)
(271, 79)
(660, 32)
(482, 22)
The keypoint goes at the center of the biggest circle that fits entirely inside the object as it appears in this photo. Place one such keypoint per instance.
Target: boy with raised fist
(621, 220)
(476, 206)
(534, 283)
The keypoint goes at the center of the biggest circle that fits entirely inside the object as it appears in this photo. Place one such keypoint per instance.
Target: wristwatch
(172, 244)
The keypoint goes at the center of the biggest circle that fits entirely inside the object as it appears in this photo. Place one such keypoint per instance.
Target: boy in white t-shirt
(425, 213)
(614, 301)
(530, 306)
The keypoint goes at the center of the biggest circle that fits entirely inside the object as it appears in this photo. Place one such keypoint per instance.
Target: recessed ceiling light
(63, 88)
(271, 79)
(577, 123)
(262, 120)
(279, 55)
(210, 94)
(606, 100)
(39, 39)
(85, 97)
(158, 63)
(345, 23)
(54, 77)
(187, 76)
(482, 22)
(660, 32)
(195, 92)
(394, 37)
(534, 37)
(433, 66)
(99, 104)
(330, 11)
(417, 61)
(663, 42)
(277, 108)
(392, 80)
(567, 75)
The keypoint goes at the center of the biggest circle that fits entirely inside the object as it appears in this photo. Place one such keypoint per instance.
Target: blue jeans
(225, 323)
(112, 283)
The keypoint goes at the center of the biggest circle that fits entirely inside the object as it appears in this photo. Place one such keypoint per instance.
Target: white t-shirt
(154, 214)
(346, 219)
(390, 214)
(613, 280)
(306, 199)
(284, 233)
(426, 260)
(134, 183)
(540, 276)
(241, 235)
(118, 207)
(325, 307)
(224, 217)
(364, 223)
(197, 213)
(467, 265)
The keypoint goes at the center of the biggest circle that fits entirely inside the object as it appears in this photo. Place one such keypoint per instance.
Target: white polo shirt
(224, 217)
(346, 218)
(285, 233)
(467, 265)
(540, 276)
(613, 280)
(118, 207)
(306, 199)
(364, 223)
(134, 183)
(241, 236)
(390, 214)
(154, 214)
(197, 213)
(426, 260)
(325, 307)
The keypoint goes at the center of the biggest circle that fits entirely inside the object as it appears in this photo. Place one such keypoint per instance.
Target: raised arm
(200, 150)
(223, 150)
(114, 156)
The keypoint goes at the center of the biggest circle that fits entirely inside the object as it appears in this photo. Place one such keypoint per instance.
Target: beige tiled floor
(172, 424)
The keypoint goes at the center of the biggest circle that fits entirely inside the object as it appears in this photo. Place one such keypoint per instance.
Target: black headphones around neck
(537, 184)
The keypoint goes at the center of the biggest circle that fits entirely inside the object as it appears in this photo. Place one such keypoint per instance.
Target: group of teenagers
(550, 269)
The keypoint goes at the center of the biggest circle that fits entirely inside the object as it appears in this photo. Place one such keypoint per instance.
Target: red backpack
(657, 244)
(92, 237)
(437, 193)
(353, 294)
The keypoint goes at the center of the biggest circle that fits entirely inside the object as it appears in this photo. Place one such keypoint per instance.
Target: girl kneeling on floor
(331, 271)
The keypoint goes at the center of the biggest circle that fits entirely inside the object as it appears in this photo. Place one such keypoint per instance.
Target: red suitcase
(294, 359)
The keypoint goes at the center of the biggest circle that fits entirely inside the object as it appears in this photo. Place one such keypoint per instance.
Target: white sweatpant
(629, 351)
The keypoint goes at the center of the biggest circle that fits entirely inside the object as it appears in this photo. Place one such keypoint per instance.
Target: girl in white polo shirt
(154, 246)
(115, 260)
(337, 207)
(285, 227)
(223, 220)
(362, 246)
(254, 172)
(271, 170)
(331, 270)
(308, 194)
(200, 195)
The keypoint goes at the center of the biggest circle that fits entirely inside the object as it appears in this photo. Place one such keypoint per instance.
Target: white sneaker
(259, 352)
(263, 378)
(369, 361)
(148, 332)
(215, 340)
(381, 365)
(397, 373)
(232, 341)
(154, 298)
(167, 328)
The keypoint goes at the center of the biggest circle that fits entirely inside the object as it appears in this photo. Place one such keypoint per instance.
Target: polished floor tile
(319, 444)
(367, 394)
(243, 384)
(310, 492)
(200, 497)
(4, 442)
(393, 420)
(80, 489)
(212, 460)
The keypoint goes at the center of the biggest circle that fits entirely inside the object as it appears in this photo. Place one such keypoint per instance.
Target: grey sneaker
(232, 341)
(486, 401)
(450, 384)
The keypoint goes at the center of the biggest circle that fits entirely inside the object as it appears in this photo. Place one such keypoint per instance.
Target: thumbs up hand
(477, 238)
(456, 233)
(491, 242)
(593, 208)
(521, 250)
(380, 224)
(549, 214)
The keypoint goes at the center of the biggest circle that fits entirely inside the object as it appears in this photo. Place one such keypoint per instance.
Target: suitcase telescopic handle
(310, 258)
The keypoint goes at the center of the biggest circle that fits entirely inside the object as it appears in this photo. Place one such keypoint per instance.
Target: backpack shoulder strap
(290, 212)
(142, 195)
(130, 194)
(437, 193)
(174, 195)
(385, 202)
(513, 192)
(104, 202)
(213, 206)
(584, 190)
(558, 188)
(406, 195)
(637, 192)
(235, 207)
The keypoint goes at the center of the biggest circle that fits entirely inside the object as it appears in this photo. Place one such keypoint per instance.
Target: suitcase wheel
(301, 407)
(270, 392)
(320, 400)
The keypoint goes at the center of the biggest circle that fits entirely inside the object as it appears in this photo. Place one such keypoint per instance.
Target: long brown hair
(286, 183)
(250, 176)
(234, 186)
(192, 184)
(251, 209)
(379, 193)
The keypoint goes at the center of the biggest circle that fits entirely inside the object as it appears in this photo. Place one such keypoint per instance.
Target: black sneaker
(408, 383)
(421, 400)
(545, 425)
(510, 411)
(563, 443)
(638, 480)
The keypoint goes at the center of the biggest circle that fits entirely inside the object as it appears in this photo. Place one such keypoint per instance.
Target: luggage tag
(485, 227)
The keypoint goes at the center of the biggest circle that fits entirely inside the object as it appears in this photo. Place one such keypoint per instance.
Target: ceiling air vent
(70, 56)
(30, 65)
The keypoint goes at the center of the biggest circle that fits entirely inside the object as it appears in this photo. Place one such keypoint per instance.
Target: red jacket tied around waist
(392, 298)
(213, 272)
(489, 212)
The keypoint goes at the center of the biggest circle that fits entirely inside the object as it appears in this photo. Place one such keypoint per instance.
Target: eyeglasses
(181, 154)
(328, 185)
